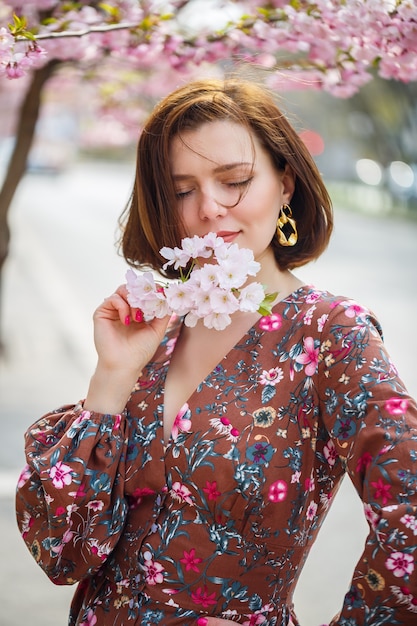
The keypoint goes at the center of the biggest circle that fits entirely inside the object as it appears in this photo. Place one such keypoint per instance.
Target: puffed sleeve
(372, 421)
(70, 499)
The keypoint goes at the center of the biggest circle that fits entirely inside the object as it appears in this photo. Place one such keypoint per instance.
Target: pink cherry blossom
(208, 291)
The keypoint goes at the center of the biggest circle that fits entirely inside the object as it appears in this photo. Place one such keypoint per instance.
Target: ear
(288, 182)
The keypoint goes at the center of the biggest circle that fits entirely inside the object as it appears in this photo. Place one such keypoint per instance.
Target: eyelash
(241, 183)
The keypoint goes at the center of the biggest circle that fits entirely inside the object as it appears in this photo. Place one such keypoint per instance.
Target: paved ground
(59, 266)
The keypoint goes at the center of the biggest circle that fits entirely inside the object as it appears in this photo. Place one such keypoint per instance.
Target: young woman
(189, 485)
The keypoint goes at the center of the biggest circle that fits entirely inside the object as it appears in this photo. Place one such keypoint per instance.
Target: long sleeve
(70, 502)
(372, 423)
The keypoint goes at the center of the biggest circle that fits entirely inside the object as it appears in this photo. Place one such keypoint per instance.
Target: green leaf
(265, 307)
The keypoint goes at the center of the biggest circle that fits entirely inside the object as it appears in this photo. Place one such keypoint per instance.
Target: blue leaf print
(268, 392)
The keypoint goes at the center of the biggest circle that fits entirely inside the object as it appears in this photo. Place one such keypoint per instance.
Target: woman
(195, 498)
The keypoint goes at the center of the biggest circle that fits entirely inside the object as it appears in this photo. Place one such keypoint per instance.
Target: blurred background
(63, 261)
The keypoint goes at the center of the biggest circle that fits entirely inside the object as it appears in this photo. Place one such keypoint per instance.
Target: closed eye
(241, 183)
(183, 194)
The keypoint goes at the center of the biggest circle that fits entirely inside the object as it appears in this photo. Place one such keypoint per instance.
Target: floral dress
(220, 520)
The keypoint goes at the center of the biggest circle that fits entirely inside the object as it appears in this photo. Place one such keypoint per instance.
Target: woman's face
(215, 165)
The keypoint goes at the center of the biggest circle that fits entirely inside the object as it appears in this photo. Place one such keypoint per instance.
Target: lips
(228, 235)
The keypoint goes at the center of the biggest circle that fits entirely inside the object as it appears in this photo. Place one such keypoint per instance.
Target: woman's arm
(372, 422)
(71, 505)
(124, 346)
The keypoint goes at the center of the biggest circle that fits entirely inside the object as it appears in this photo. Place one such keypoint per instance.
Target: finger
(113, 307)
(137, 315)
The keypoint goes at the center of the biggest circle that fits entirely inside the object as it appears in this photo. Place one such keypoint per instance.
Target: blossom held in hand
(209, 291)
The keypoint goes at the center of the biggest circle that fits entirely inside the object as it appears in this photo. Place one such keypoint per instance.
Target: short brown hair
(151, 219)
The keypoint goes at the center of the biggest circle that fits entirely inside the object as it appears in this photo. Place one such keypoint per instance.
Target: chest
(196, 355)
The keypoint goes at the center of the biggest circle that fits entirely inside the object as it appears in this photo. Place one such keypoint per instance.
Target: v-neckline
(177, 331)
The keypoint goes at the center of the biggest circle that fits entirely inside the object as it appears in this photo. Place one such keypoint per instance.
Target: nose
(209, 207)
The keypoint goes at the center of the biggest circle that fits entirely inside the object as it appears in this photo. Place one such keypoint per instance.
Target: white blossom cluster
(210, 291)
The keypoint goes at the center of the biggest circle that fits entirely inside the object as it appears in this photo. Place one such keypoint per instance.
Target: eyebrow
(217, 170)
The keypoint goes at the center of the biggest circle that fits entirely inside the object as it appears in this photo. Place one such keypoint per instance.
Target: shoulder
(324, 310)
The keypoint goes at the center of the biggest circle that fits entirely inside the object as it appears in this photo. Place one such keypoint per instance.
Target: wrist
(109, 390)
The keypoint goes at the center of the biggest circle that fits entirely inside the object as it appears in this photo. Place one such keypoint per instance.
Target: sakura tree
(332, 45)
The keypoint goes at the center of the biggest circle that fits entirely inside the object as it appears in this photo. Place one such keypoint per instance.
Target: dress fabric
(220, 520)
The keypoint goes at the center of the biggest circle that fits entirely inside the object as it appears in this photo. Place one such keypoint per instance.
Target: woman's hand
(124, 344)
(122, 339)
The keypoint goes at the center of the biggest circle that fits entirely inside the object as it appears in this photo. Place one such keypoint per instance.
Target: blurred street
(63, 263)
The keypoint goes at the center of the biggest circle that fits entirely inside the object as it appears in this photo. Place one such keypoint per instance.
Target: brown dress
(220, 521)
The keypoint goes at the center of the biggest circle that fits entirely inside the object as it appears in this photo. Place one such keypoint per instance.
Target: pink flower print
(201, 596)
(224, 427)
(330, 452)
(153, 570)
(309, 316)
(310, 356)
(66, 538)
(170, 345)
(254, 620)
(313, 297)
(309, 484)
(27, 524)
(91, 619)
(60, 474)
(400, 564)
(24, 476)
(191, 561)
(278, 491)
(95, 505)
(270, 322)
(410, 521)
(311, 511)
(211, 490)
(364, 462)
(295, 478)
(353, 309)
(80, 493)
(101, 550)
(382, 491)
(271, 377)
(60, 510)
(396, 406)
(371, 516)
(321, 322)
(181, 492)
(138, 495)
(117, 422)
(181, 422)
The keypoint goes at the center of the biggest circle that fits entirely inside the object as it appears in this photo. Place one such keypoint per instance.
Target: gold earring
(286, 227)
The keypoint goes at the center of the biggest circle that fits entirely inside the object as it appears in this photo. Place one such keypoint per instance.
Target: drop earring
(286, 227)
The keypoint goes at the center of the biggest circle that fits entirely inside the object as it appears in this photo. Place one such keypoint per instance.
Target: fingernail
(139, 316)
(127, 320)
(202, 621)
